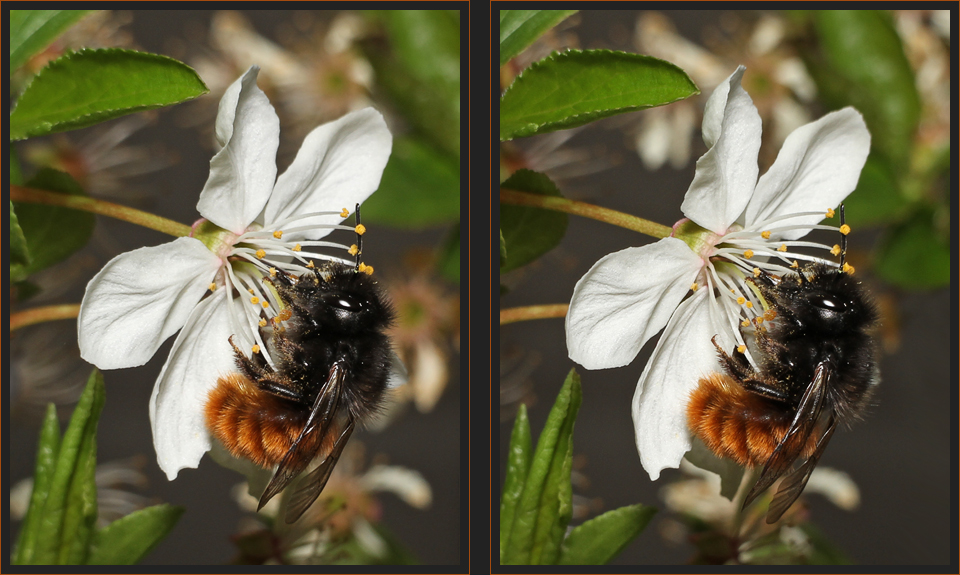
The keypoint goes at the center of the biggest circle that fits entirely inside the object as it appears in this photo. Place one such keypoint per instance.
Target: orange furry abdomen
(737, 424)
(252, 423)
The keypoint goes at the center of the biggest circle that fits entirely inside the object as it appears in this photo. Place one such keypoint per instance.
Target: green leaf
(16, 176)
(420, 188)
(127, 540)
(862, 64)
(448, 260)
(19, 252)
(520, 28)
(33, 30)
(47, 450)
(52, 233)
(530, 232)
(914, 256)
(877, 199)
(503, 249)
(84, 88)
(574, 88)
(420, 69)
(545, 506)
(602, 538)
(70, 510)
(518, 465)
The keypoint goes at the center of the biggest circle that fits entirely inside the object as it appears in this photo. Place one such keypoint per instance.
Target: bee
(332, 364)
(817, 367)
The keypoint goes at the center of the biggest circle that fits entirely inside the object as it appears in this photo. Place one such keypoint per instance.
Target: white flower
(253, 224)
(731, 217)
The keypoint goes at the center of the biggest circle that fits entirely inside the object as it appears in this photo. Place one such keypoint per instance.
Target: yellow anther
(265, 304)
(250, 291)
(770, 314)
(794, 265)
(765, 234)
(749, 305)
(844, 229)
(741, 348)
(212, 286)
(261, 253)
(848, 269)
(831, 213)
(273, 272)
(745, 323)
(353, 250)
(365, 269)
(284, 314)
(254, 300)
(256, 348)
(756, 272)
(835, 250)
(360, 229)
(278, 234)
(344, 213)
(311, 265)
(262, 322)
(741, 300)
(758, 320)
(782, 248)
(694, 286)
(748, 254)
(296, 248)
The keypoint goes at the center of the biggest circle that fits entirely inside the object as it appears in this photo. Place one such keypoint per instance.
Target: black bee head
(829, 301)
(340, 300)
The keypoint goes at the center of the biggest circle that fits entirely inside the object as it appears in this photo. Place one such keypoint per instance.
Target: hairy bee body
(815, 369)
(332, 362)
(253, 424)
(737, 424)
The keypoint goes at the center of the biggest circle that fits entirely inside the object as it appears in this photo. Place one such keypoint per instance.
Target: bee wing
(793, 442)
(305, 447)
(793, 484)
(314, 482)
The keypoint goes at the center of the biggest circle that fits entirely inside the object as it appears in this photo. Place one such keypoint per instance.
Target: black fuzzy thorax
(320, 333)
(824, 317)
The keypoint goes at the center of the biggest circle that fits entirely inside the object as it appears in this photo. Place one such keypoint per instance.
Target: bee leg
(736, 365)
(767, 388)
(255, 368)
(276, 384)
(769, 347)
(739, 367)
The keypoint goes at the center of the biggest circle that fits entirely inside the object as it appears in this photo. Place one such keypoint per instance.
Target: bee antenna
(360, 240)
(843, 239)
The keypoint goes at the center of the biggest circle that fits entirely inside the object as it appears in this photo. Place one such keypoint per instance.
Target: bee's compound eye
(345, 302)
(828, 303)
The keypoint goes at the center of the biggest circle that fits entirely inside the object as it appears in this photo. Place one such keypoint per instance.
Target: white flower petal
(407, 484)
(818, 166)
(243, 172)
(139, 299)
(727, 174)
(398, 372)
(626, 298)
(683, 355)
(200, 355)
(338, 166)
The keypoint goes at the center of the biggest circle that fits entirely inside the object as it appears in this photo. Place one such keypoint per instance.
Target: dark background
(900, 456)
(429, 443)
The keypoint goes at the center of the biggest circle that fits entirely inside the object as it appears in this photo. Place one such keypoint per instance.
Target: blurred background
(642, 163)
(404, 475)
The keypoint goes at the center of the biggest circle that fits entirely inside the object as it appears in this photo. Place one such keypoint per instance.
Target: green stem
(134, 216)
(518, 198)
(514, 314)
(42, 314)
